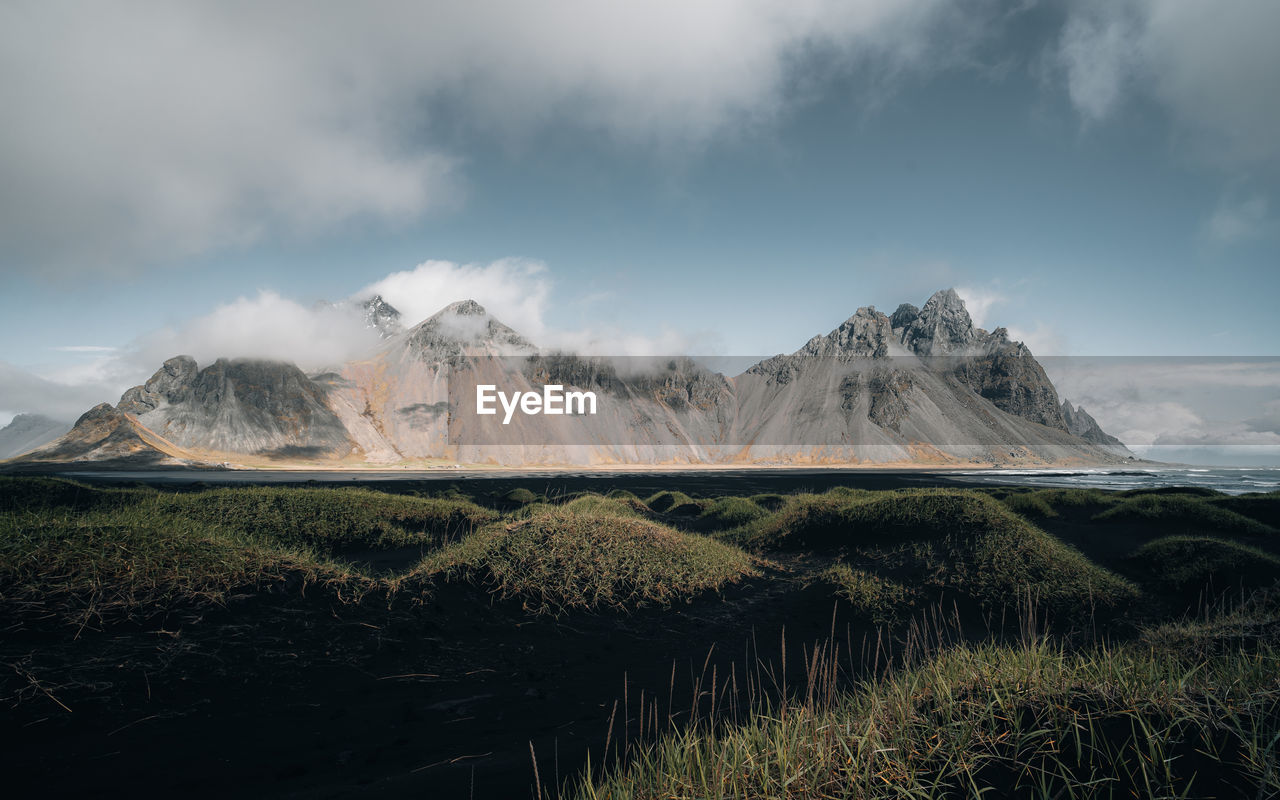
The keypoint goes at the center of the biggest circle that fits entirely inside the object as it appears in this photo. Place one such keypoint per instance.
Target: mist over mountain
(921, 386)
(29, 431)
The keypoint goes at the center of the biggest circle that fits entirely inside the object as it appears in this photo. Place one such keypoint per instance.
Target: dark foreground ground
(293, 692)
(315, 700)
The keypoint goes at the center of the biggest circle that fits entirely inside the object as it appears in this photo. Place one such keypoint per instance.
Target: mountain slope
(1079, 423)
(920, 386)
(106, 436)
(263, 408)
(29, 431)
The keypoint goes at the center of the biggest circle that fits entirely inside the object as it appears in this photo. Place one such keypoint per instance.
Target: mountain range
(918, 386)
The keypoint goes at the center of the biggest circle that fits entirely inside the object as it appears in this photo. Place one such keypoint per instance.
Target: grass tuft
(873, 597)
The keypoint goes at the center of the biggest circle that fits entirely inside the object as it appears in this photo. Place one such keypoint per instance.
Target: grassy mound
(1187, 567)
(23, 494)
(961, 542)
(1264, 508)
(521, 496)
(605, 506)
(1051, 503)
(330, 519)
(1184, 513)
(86, 566)
(1034, 721)
(731, 512)
(769, 501)
(561, 558)
(1029, 504)
(673, 503)
(625, 495)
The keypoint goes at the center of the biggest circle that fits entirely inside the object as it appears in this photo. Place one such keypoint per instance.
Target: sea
(1227, 480)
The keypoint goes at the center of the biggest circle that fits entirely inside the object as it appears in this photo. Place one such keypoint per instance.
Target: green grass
(1184, 513)
(1033, 721)
(1189, 567)
(605, 506)
(1233, 624)
(521, 496)
(1265, 508)
(560, 559)
(673, 503)
(731, 512)
(331, 519)
(83, 567)
(84, 552)
(1051, 503)
(1030, 504)
(623, 494)
(1185, 708)
(870, 596)
(769, 501)
(948, 541)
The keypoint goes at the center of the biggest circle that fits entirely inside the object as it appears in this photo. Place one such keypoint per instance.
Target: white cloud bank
(161, 130)
(513, 290)
(269, 325)
(1195, 410)
(1042, 339)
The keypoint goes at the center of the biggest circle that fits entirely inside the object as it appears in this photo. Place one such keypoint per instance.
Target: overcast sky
(733, 177)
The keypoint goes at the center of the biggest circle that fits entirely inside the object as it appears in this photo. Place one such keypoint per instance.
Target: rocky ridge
(1079, 423)
(920, 384)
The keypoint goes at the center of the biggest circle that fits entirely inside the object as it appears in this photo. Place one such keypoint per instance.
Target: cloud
(1238, 219)
(22, 390)
(141, 133)
(979, 302)
(269, 325)
(1097, 54)
(513, 290)
(517, 292)
(1268, 420)
(266, 326)
(1042, 340)
(1195, 410)
(1210, 66)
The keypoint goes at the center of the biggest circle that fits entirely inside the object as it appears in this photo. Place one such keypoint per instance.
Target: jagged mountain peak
(1081, 424)
(381, 315)
(943, 326)
(904, 316)
(945, 299)
(461, 327)
(463, 308)
(866, 334)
